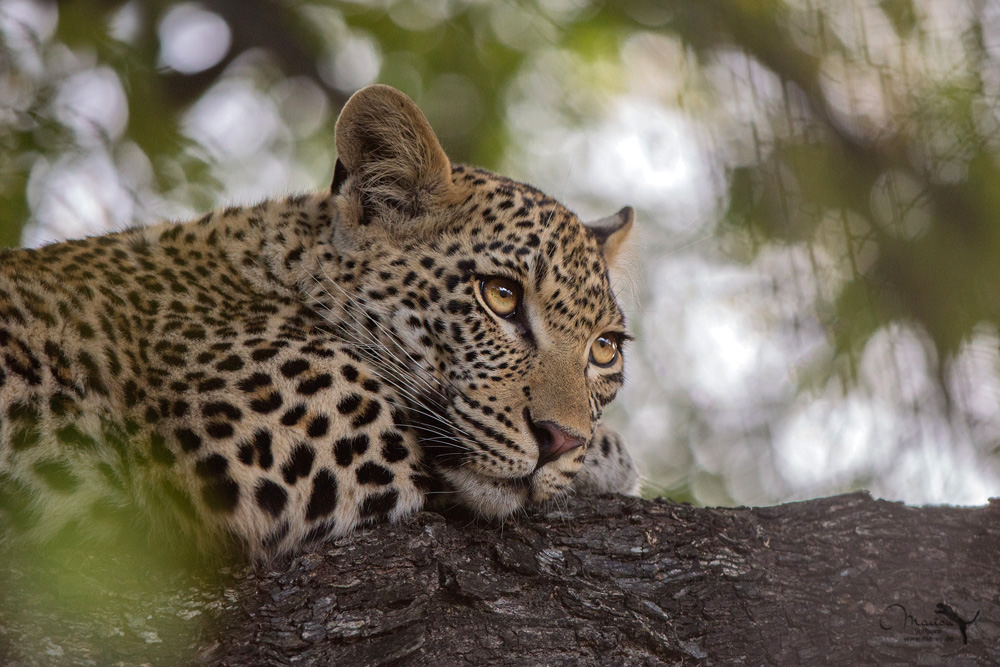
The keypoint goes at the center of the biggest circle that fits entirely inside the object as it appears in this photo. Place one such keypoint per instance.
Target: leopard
(275, 375)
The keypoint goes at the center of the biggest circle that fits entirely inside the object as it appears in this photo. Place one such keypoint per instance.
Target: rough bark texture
(606, 581)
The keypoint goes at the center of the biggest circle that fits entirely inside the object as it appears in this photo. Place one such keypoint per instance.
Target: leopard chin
(494, 491)
(500, 497)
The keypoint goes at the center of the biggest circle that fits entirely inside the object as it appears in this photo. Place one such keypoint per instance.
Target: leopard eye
(501, 295)
(604, 350)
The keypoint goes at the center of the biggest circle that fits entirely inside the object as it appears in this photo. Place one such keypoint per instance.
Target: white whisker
(392, 370)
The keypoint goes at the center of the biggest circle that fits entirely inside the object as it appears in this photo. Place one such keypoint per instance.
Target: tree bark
(602, 581)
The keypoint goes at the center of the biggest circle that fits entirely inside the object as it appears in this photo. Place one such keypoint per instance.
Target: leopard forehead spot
(283, 372)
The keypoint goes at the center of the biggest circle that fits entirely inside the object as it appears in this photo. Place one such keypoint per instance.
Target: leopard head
(485, 303)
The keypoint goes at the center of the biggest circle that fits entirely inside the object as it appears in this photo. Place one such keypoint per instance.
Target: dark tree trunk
(605, 581)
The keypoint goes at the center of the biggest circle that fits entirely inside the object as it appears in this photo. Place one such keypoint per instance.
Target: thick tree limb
(606, 581)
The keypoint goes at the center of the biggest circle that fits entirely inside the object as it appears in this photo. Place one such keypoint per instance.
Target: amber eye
(501, 295)
(604, 350)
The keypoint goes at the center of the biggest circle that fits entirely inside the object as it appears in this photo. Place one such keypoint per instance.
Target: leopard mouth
(448, 446)
(445, 450)
(489, 496)
(447, 456)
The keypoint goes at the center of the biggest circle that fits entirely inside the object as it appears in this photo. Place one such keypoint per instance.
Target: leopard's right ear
(612, 232)
(390, 164)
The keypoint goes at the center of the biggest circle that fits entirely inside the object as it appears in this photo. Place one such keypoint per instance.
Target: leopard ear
(393, 167)
(611, 232)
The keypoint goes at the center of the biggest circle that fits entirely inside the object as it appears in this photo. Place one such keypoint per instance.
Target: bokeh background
(816, 292)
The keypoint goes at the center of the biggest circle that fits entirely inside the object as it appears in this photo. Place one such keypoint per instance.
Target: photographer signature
(896, 616)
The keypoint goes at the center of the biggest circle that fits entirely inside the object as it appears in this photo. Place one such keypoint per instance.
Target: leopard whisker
(392, 376)
(398, 367)
(376, 346)
(392, 337)
(389, 334)
(358, 328)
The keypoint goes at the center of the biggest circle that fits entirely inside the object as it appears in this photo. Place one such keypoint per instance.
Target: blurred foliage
(110, 603)
(866, 132)
(941, 274)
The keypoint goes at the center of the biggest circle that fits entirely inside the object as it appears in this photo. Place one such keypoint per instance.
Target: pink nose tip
(553, 440)
(561, 442)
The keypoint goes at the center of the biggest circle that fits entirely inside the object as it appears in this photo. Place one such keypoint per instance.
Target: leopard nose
(553, 440)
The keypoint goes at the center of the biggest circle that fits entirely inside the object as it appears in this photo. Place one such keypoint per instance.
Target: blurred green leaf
(901, 14)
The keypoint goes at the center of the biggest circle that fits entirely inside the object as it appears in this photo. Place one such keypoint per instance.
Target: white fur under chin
(488, 500)
(546, 485)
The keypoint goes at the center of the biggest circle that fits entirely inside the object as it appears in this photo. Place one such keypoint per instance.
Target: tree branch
(607, 581)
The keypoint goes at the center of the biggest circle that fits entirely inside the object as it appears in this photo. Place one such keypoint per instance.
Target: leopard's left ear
(389, 161)
(611, 232)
